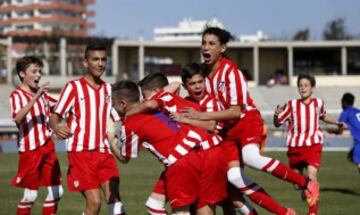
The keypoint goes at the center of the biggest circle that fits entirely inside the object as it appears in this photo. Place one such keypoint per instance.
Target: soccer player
(350, 116)
(305, 137)
(86, 106)
(174, 144)
(244, 123)
(38, 163)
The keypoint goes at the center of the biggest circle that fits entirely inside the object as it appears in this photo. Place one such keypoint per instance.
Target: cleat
(312, 192)
(290, 211)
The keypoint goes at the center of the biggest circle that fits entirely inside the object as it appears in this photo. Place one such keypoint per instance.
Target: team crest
(221, 86)
(76, 183)
(107, 98)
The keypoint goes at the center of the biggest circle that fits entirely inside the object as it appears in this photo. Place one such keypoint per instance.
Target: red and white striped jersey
(209, 104)
(88, 110)
(229, 86)
(166, 139)
(303, 122)
(34, 130)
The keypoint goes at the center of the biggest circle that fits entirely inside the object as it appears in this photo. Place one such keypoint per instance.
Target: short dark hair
(153, 81)
(348, 99)
(94, 46)
(190, 70)
(223, 35)
(307, 76)
(125, 90)
(23, 63)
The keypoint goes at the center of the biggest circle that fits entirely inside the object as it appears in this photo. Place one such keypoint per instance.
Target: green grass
(339, 180)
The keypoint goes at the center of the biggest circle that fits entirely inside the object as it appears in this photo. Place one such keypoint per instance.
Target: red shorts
(300, 157)
(249, 129)
(89, 169)
(230, 152)
(182, 180)
(39, 167)
(159, 187)
(213, 181)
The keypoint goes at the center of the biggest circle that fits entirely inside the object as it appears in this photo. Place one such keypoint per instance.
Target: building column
(9, 59)
(256, 64)
(343, 60)
(290, 64)
(63, 57)
(115, 60)
(141, 60)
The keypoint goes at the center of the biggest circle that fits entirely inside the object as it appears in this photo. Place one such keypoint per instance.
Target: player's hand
(62, 131)
(42, 88)
(179, 117)
(278, 110)
(191, 113)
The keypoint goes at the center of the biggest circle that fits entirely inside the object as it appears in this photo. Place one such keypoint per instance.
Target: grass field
(339, 180)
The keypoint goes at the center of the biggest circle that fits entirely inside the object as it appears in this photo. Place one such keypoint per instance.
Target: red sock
(285, 173)
(50, 207)
(261, 198)
(313, 210)
(24, 208)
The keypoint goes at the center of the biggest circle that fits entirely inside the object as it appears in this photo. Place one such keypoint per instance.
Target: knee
(94, 204)
(30, 195)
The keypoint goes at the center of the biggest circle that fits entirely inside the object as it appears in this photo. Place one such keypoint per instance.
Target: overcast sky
(132, 19)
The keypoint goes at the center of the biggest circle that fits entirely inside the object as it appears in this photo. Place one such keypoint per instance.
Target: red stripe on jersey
(86, 98)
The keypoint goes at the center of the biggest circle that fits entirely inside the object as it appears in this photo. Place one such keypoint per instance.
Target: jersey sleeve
(15, 104)
(285, 113)
(237, 88)
(129, 143)
(66, 100)
(52, 101)
(114, 115)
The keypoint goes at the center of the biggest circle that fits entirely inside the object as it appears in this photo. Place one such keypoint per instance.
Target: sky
(134, 19)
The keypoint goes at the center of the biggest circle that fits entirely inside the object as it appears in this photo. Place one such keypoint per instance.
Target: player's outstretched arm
(143, 107)
(232, 112)
(209, 125)
(173, 87)
(116, 151)
(330, 120)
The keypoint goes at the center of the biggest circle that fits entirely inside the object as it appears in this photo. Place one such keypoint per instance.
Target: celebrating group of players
(204, 141)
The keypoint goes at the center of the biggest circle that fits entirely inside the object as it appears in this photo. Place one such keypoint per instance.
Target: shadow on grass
(340, 190)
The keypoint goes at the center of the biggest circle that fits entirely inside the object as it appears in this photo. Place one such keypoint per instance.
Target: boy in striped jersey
(305, 137)
(86, 106)
(38, 163)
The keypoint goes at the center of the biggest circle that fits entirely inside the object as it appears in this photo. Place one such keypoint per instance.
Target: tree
(302, 35)
(336, 30)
